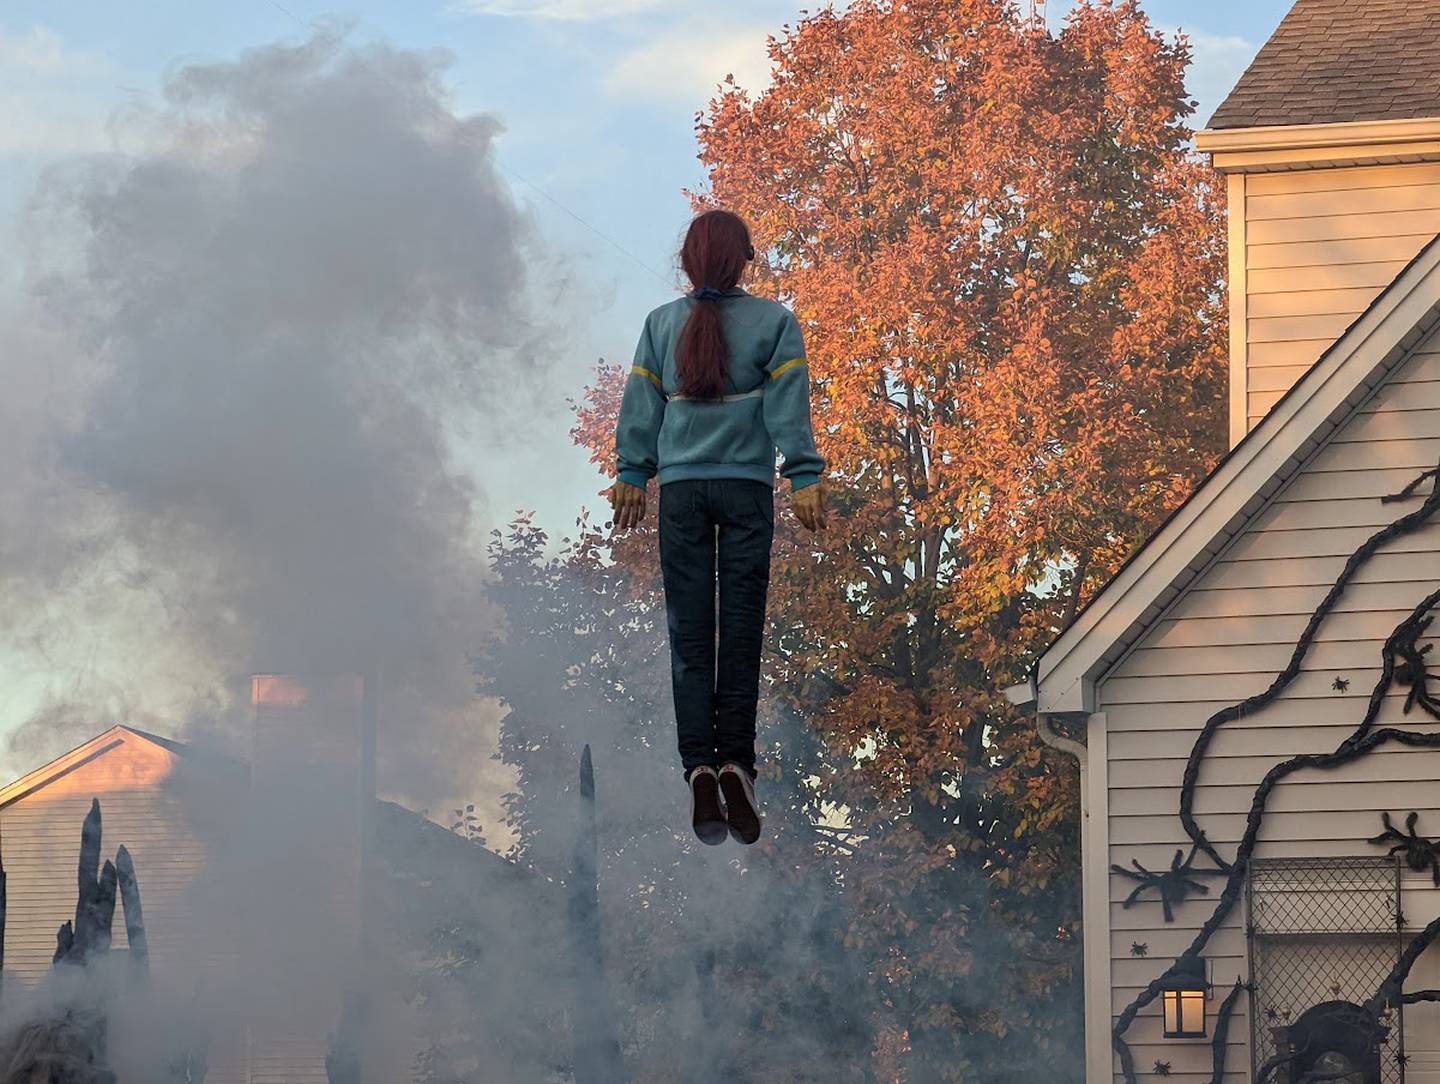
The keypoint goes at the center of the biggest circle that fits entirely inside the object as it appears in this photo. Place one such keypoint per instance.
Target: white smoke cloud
(247, 368)
(232, 382)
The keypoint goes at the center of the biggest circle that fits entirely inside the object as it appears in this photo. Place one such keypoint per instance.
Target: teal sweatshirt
(766, 405)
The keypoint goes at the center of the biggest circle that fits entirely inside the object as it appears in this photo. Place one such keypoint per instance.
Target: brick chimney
(313, 779)
(315, 750)
(1330, 143)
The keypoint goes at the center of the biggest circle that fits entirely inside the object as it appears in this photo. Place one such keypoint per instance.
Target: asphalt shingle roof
(1342, 60)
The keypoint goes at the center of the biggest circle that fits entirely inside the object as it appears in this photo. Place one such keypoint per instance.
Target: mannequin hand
(628, 504)
(809, 505)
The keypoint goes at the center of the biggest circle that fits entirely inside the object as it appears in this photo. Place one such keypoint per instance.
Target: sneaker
(706, 815)
(741, 816)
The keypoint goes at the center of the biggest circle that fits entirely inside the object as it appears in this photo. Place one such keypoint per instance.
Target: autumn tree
(1009, 269)
(1008, 265)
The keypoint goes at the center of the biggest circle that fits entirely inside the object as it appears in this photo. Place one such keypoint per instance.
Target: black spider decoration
(1402, 1059)
(1411, 669)
(1139, 948)
(1173, 884)
(1162, 1068)
(1420, 853)
(1340, 684)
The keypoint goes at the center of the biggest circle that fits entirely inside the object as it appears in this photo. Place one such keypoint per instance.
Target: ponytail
(715, 252)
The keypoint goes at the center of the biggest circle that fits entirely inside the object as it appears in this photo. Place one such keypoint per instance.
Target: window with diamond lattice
(1324, 935)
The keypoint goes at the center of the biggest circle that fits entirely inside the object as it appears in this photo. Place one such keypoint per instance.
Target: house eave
(1021, 696)
(64, 764)
(1067, 673)
(1311, 146)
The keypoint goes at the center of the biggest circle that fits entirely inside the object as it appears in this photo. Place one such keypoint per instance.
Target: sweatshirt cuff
(800, 481)
(633, 478)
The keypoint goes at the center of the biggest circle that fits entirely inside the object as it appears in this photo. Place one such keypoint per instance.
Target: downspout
(1094, 897)
(1053, 738)
(1027, 697)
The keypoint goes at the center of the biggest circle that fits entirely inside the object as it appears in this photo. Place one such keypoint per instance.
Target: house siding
(143, 806)
(1319, 245)
(41, 849)
(1227, 636)
(40, 831)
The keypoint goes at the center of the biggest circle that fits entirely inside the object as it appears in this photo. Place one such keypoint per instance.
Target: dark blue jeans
(716, 531)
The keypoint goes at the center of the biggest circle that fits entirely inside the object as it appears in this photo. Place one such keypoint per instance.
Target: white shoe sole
(742, 815)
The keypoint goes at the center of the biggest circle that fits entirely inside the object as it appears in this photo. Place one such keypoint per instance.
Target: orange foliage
(1009, 271)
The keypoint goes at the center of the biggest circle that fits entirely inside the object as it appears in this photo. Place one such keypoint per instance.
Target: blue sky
(598, 100)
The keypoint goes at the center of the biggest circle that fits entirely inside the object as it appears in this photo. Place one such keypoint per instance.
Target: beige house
(147, 787)
(1248, 695)
(256, 887)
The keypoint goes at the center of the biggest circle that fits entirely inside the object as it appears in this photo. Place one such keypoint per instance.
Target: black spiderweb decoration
(1403, 663)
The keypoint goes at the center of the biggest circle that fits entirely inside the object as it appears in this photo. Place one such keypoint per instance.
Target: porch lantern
(1183, 993)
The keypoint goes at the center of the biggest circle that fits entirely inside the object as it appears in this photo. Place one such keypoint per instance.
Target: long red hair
(716, 249)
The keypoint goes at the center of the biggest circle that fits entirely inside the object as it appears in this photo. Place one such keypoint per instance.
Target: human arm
(786, 409)
(637, 433)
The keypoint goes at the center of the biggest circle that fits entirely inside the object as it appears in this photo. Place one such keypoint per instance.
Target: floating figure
(719, 381)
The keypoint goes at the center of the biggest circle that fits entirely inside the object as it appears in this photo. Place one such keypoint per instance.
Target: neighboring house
(1191, 677)
(252, 955)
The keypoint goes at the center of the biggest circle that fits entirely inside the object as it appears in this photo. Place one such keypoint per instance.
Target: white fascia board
(1022, 695)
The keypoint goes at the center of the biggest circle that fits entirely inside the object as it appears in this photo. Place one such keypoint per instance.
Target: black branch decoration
(1411, 671)
(1220, 1044)
(1173, 884)
(1402, 662)
(1421, 855)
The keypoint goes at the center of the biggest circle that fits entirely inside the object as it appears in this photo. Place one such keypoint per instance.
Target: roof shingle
(1331, 61)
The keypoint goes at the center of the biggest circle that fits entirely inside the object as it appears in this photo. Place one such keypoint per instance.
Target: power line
(508, 171)
(593, 229)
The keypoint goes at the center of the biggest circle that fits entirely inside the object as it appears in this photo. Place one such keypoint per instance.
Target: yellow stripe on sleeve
(786, 366)
(648, 375)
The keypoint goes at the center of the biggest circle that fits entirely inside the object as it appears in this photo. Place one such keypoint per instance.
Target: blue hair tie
(707, 293)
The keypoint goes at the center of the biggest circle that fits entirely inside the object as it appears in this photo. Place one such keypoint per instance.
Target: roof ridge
(1304, 74)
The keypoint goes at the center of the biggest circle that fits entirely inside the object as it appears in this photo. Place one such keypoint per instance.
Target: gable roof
(1333, 61)
(1194, 535)
(414, 838)
(81, 755)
